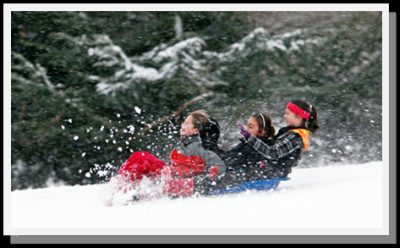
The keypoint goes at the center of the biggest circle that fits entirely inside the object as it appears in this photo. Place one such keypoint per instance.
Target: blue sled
(256, 185)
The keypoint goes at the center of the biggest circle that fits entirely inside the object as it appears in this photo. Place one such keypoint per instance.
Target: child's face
(187, 127)
(292, 120)
(252, 127)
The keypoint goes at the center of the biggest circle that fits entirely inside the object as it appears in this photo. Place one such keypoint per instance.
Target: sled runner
(256, 185)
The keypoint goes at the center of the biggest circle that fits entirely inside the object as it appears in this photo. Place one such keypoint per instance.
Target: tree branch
(177, 113)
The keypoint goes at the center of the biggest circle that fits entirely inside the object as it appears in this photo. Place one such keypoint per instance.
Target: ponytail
(312, 122)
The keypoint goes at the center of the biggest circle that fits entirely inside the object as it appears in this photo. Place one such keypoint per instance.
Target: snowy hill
(324, 197)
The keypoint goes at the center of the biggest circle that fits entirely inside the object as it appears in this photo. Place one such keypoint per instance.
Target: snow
(185, 56)
(138, 110)
(319, 199)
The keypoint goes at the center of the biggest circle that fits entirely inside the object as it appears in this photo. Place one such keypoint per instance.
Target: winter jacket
(283, 154)
(189, 159)
(243, 156)
(241, 161)
(272, 159)
(260, 159)
(194, 168)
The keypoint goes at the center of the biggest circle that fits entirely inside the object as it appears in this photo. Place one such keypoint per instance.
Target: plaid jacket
(282, 155)
(283, 145)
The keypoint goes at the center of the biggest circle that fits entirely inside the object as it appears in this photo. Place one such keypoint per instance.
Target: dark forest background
(90, 88)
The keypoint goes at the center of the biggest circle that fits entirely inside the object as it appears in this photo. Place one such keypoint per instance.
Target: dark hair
(209, 129)
(312, 122)
(267, 126)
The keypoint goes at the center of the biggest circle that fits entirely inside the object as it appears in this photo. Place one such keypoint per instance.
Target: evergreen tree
(89, 88)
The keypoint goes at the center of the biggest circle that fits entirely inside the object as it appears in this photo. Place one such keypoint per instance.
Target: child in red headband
(299, 113)
(290, 141)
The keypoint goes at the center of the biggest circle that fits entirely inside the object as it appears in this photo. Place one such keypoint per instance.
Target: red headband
(297, 110)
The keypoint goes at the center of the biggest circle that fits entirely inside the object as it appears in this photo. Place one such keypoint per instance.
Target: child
(290, 141)
(191, 161)
(242, 158)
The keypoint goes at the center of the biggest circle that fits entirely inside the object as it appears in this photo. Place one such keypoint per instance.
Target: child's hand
(243, 131)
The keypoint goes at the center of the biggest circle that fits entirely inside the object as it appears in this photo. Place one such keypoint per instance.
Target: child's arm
(285, 145)
(215, 165)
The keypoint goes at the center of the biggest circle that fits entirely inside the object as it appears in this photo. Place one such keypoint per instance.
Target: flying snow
(138, 110)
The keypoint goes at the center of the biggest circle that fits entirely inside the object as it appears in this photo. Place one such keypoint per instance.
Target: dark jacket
(258, 159)
(243, 155)
(242, 163)
(282, 155)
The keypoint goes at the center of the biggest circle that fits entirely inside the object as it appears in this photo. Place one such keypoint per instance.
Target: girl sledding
(192, 162)
(197, 166)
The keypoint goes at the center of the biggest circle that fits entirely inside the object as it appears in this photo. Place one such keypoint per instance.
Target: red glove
(213, 172)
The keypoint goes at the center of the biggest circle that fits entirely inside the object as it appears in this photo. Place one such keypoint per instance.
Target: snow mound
(324, 197)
